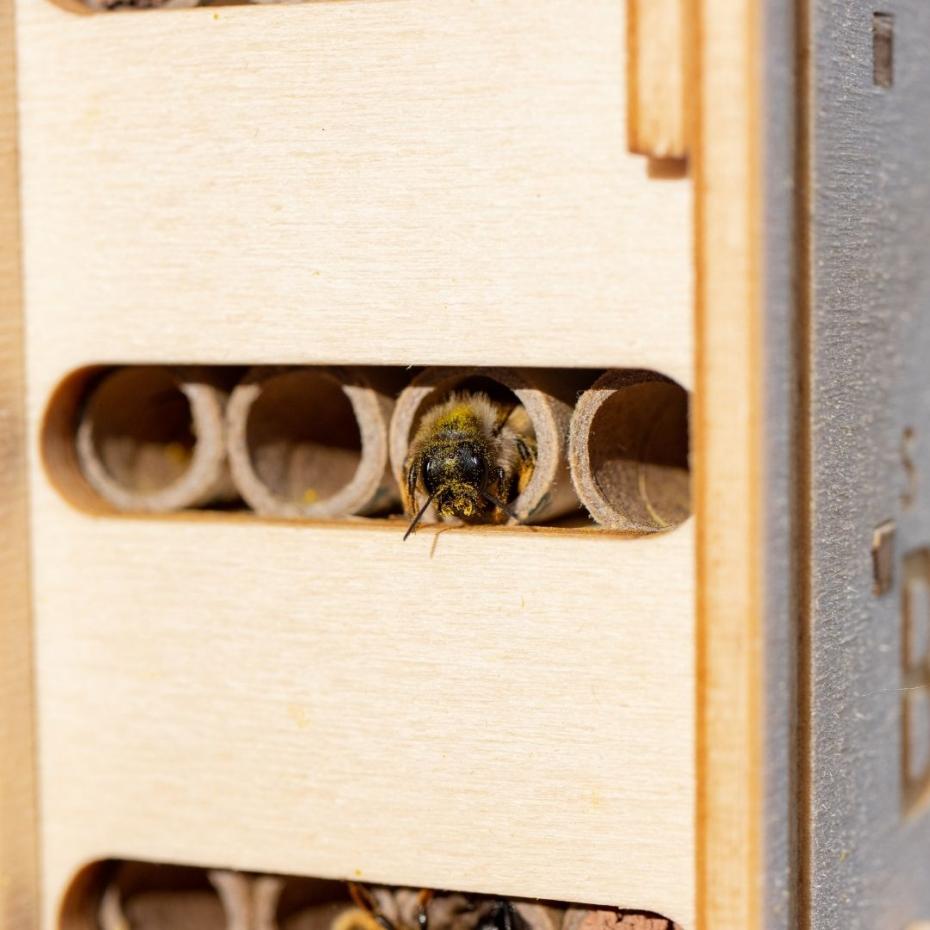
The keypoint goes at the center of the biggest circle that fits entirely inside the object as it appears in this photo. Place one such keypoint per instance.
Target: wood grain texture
(869, 345)
(657, 77)
(18, 850)
(369, 182)
(356, 182)
(728, 493)
(328, 701)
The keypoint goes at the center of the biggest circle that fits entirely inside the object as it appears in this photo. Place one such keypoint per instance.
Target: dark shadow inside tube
(112, 895)
(303, 436)
(310, 904)
(141, 428)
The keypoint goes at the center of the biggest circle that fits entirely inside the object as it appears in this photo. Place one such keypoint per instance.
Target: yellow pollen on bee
(460, 417)
(310, 496)
(465, 506)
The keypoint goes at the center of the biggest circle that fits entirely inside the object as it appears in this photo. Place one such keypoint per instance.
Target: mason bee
(471, 457)
(501, 916)
(370, 905)
(381, 908)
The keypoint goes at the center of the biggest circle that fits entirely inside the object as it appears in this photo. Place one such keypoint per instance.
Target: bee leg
(410, 504)
(527, 453)
(502, 418)
(364, 900)
(503, 492)
(505, 918)
(423, 899)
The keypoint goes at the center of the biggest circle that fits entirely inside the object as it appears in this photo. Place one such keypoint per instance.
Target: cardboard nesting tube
(547, 401)
(107, 6)
(311, 442)
(151, 439)
(318, 904)
(150, 897)
(604, 919)
(455, 911)
(629, 451)
(249, 901)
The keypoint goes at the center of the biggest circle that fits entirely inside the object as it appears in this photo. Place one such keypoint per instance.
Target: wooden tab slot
(883, 50)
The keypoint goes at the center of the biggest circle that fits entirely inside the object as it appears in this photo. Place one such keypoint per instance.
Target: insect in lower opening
(502, 916)
(381, 908)
(470, 458)
(368, 914)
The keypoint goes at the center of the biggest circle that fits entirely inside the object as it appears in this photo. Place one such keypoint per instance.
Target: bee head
(457, 476)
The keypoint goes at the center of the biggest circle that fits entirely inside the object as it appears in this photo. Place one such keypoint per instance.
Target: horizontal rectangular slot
(440, 445)
(115, 895)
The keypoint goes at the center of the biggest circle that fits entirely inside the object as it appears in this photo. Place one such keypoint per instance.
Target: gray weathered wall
(869, 858)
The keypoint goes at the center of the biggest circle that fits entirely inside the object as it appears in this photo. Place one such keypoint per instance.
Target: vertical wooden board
(18, 853)
(728, 486)
(869, 345)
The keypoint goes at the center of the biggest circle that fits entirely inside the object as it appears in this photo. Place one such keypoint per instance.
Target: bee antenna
(415, 521)
(491, 499)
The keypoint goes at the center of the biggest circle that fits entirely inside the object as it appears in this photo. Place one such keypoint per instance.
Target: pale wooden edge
(727, 466)
(19, 880)
(656, 52)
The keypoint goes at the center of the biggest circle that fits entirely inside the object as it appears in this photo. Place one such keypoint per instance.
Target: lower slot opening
(119, 895)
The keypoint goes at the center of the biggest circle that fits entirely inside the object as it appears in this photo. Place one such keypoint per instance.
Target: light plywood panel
(19, 882)
(505, 710)
(377, 182)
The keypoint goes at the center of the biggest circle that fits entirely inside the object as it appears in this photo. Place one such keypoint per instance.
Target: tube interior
(310, 904)
(150, 897)
(303, 438)
(142, 429)
(639, 452)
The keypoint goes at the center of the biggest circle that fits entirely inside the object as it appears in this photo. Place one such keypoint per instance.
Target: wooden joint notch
(656, 77)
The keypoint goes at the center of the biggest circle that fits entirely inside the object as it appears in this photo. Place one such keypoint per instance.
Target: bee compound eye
(473, 466)
(430, 475)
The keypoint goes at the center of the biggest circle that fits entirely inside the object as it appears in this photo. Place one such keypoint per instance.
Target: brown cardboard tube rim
(629, 451)
(151, 439)
(310, 442)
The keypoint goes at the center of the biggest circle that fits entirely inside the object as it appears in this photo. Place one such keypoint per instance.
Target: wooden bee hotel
(463, 465)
